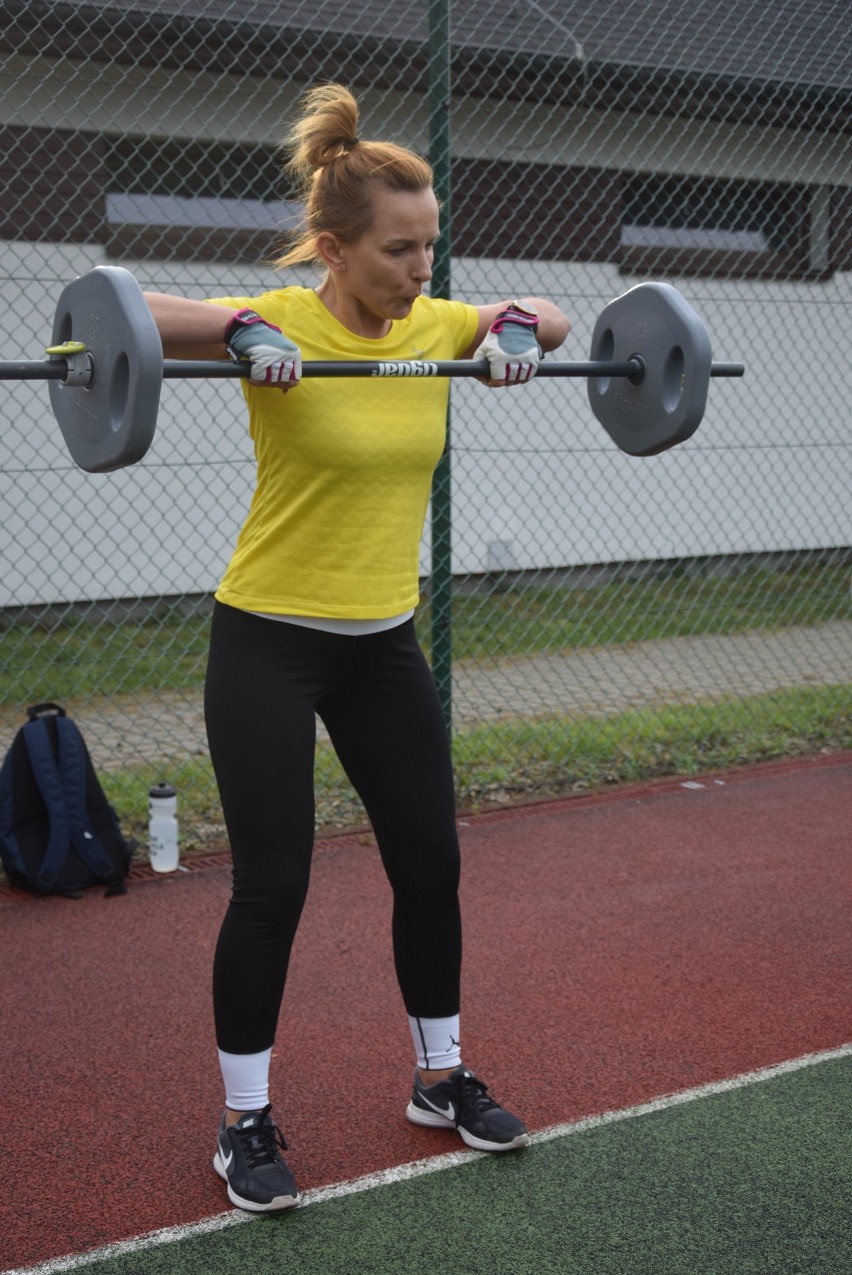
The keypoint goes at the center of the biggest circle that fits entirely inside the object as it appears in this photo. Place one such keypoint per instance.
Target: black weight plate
(109, 423)
(653, 321)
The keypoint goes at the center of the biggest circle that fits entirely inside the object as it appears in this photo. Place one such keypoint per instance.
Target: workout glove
(274, 359)
(510, 345)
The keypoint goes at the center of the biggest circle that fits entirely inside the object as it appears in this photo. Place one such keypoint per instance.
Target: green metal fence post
(440, 157)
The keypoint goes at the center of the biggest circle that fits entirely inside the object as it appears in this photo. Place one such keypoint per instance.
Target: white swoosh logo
(227, 1160)
(442, 1111)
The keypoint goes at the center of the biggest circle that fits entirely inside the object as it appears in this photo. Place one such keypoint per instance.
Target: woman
(314, 616)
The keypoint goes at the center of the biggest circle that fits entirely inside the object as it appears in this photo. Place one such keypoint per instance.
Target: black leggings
(375, 694)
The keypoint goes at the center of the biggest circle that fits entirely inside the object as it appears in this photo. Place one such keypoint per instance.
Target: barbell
(647, 376)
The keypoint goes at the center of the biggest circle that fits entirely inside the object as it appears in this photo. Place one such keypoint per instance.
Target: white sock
(436, 1042)
(246, 1078)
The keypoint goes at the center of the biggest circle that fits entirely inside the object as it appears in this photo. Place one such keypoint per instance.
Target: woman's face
(385, 270)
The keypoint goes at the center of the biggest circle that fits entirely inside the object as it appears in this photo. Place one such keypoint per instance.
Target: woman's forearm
(189, 329)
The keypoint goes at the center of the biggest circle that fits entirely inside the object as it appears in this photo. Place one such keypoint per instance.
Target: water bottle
(163, 828)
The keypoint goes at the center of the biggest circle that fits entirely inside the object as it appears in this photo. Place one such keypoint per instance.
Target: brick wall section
(841, 229)
(535, 210)
(52, 185)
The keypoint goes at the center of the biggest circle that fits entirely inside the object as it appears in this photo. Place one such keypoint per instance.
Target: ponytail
(336, 174)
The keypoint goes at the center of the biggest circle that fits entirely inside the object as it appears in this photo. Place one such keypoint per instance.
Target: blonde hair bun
(328, 128)
(338, 177)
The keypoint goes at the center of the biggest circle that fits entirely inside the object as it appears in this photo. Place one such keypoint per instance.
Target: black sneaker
(462, 1102)
(247, 1157)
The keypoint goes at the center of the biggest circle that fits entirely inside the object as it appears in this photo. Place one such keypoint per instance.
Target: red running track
(618, 947)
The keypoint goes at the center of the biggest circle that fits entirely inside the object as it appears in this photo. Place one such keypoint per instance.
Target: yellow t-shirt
(344, 465)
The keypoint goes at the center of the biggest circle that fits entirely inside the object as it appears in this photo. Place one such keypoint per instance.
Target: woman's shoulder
(276, 301)
(282, 300)
(456, 317)
(440, 304)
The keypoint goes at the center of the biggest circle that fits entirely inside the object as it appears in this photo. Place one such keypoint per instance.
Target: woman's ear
(330, 250)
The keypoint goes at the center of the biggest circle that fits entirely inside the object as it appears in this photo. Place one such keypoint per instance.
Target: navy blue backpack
(58, 832)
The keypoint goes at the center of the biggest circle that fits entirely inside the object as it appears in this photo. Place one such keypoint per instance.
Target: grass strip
(499, 762)
(82, 656)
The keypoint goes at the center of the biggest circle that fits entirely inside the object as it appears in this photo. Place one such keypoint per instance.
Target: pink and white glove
(510, 345)
(274, 359)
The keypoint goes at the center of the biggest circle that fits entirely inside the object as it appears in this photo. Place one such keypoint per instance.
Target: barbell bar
(647, 377)
(199, 369)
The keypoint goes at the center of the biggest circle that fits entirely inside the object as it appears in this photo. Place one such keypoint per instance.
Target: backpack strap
(73, 775)
(45, 710)
(53, 794)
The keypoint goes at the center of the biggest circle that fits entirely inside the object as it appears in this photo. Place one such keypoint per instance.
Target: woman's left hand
(511, 347)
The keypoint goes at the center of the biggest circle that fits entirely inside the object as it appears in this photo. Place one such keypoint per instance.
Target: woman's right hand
(273, 358)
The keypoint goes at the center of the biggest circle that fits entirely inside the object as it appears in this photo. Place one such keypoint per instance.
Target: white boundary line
(435, 1164)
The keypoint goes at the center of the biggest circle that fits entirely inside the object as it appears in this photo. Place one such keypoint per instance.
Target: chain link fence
(600, 617)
